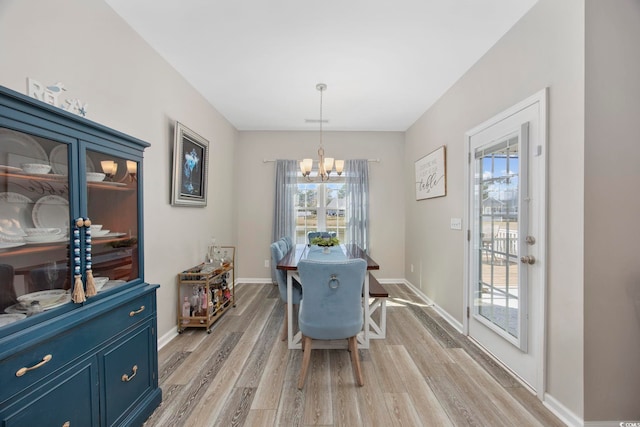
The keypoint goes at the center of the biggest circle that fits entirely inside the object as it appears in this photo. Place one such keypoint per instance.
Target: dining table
(342, 252)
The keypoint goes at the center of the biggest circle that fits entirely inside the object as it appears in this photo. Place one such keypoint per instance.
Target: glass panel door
(34, 225)
(112, 206)
(497, 205)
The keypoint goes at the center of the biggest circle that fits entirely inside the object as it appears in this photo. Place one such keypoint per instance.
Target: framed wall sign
(190, 164)
(431, 175)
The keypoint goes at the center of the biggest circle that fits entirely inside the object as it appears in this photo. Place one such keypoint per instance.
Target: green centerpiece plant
(325, 241)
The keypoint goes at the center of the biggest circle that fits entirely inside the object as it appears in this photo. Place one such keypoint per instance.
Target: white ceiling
(384, 62)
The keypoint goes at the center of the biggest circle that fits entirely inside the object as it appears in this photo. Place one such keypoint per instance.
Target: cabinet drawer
(70, 397)
(128, 314)
(71, 344)
(128, 372)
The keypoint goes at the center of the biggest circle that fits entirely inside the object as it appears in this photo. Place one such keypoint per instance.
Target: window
(320, 206)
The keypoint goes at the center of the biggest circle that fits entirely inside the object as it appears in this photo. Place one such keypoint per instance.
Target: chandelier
(325, 164)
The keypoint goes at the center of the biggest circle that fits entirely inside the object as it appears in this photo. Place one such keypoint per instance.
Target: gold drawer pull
(133, 313)
(126, 378)
(67, 424)
(23, 371)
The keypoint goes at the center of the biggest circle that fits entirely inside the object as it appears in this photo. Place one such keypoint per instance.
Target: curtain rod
(273, 160)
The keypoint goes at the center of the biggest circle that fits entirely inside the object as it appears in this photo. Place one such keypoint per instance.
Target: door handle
(529, 259)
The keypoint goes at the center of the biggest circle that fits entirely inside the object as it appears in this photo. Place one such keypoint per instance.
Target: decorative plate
(12, 169)
(19, 308)
(59, 160)
(5, 319)
(35, 240)
(14, 216)
(51, 212)
(17, 148)
(9, 245)
(45, 298)
(112, 234)
(112, 284)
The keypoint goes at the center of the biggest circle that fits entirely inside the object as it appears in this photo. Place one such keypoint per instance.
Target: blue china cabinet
(78, 344)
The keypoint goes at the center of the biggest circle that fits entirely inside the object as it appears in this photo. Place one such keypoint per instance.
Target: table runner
(316, 253)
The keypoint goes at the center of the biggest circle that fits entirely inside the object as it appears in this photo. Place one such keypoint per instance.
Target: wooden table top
(291, 258)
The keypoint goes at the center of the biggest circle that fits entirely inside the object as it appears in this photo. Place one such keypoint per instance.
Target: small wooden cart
(208, 290)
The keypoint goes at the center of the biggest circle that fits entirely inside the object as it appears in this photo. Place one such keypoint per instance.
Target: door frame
(540, 98)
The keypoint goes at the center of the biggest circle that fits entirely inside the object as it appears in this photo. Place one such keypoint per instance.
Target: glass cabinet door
(112, 207)
(34, 225)
(37, 220)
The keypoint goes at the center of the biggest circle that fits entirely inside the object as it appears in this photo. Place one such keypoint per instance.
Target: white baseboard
(565, 415)
(611, 423)
(164, 340)
(390, 281)
(255, 281)
(443, 313)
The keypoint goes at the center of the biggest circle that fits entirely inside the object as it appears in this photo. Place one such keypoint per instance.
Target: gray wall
(544, 49)
(256, 183)
(612, 203)
(99, 58)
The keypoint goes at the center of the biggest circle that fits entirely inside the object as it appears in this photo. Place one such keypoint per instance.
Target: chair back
(332, 303)
(281, 275)
(289, 242)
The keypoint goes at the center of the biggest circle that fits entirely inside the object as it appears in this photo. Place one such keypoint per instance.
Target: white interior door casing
(506, 316)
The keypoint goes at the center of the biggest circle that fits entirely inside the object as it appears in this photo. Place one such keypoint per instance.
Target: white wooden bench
(377, 303)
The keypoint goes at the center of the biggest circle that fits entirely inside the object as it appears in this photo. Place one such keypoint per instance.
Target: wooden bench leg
(285, 324)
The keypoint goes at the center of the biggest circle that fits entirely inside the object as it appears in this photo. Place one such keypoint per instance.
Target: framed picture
(190, 164)
(431, 175)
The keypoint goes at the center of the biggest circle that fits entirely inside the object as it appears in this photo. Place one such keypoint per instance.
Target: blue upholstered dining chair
(281, 280)
(332, 306)
(289, 242)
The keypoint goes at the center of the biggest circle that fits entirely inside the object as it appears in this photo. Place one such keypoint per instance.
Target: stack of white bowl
(97, 231)
(41, 235)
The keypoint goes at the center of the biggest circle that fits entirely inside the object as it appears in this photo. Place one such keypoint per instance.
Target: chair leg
(306, 357)
(355, 360)
(285, 325)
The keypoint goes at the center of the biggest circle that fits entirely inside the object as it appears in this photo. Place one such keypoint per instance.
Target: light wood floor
(423, 374)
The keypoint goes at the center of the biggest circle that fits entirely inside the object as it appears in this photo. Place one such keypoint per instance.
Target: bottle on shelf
(194, 301)
(204, 301)
(186, 311)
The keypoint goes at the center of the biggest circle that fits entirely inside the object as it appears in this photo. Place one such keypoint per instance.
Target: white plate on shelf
(112, 234)
(12, 169)
(19, 308)
(59, 160)
(17, 148)
(57, 239)
(9, 245)
(99, 233)
(6, 319)
(46, 298)
(111, 183)
(51, 212)
(14, 216)
(47, 175)
(112, 284)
